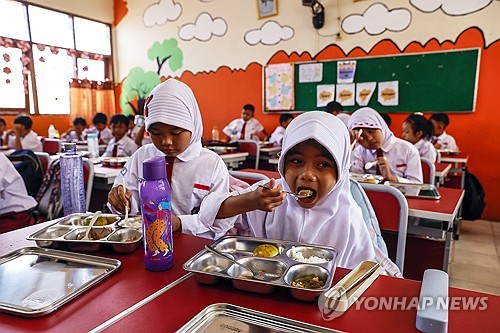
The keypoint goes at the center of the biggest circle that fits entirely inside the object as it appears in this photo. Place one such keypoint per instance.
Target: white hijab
(337, 220)
(173, 103)
(369, 118)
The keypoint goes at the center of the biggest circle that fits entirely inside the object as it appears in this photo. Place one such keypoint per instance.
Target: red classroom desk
(129, 285)
(442, 170)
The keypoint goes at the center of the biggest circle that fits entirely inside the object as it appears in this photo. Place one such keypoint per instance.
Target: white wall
(99, 10)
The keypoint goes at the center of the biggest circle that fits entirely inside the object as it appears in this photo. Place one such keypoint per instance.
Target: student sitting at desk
(246, 127)
(277, 136)
(173, 120)
(418, 130)
(337, 110)
(441, 139)
(120, 144)
(396, 160)
(315, 158)
(22, 137)
(100, 122)
(15, 203)
(78, 132)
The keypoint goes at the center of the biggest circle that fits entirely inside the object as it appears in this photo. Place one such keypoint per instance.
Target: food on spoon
(310, 281)
(307, 193)
(266, 251)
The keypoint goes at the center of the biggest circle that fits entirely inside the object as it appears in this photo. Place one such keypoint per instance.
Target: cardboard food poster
(388, 93)
(325, 93)
(345, 94)
(364, 92)
(280, 87)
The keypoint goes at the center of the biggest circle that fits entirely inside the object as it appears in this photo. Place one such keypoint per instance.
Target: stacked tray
(67, 233)
(289, 270)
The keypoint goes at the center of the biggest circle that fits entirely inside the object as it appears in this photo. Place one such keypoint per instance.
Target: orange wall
(221, 95)
(41, 123)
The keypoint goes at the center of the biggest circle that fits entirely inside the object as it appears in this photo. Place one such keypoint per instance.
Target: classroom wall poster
(311, 72)
(345, 71)
(325, 93)
(364, 92)
(388, 93)
(280, 87)
(345, 94)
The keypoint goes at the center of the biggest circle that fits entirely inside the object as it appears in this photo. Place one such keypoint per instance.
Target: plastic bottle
(52, 131)
(93, 144)
(154, 193)
(215, 134)
(73, 193)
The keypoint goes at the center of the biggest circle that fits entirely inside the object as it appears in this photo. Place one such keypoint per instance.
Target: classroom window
(41, 50)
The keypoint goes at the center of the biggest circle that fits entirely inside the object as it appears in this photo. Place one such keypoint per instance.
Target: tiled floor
(475, 257)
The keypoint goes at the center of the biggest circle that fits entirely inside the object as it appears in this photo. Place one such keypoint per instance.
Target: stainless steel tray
(366, 178)
(224, 317)
(209, 268)
(66, 233)
(422, 191)
(36, 281)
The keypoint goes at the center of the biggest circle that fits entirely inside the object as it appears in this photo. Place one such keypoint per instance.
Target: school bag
(30, 168)
(49, 196)
(473, 204)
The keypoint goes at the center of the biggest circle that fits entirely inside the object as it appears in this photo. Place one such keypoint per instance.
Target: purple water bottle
(156, 209)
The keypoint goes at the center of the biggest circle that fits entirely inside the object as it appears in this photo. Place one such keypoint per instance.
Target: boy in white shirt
(277, 136)
(78, 132)
(441, 139)
(22, 137)
(100, 122)
(15, 203)
(121, 144)
(246, 127)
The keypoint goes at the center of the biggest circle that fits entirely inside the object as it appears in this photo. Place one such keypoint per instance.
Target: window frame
(108, 62)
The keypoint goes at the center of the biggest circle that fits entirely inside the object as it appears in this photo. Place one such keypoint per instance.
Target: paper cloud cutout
(161, 12)
(377, 19)
(451, 7)
(270, 33)
(203, 28)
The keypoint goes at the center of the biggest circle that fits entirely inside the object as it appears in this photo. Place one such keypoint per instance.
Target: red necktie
(170, 167)
(115, 150)
(379, 153)
(243, 131)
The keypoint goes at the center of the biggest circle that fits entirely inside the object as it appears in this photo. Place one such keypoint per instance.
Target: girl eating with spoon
(315, 157)
(380, 152)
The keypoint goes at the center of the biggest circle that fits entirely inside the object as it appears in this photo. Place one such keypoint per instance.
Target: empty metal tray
(36, 281)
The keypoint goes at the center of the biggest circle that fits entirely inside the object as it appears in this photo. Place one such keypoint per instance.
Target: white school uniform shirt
(251, 129)
(447, 141)
(73, 137)
(192, 181)
(277, 136)
(402, 156)
(126, 147)
(29, 141)
(105, 135)
(426, 149)
(13, 194)
(336, 221)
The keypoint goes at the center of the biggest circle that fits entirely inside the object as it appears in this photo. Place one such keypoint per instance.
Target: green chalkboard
(428, 82)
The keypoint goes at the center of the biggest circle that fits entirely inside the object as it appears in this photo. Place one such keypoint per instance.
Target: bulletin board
(428, 82)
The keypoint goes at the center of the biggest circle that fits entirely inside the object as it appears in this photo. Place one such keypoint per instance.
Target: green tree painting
(138, 84)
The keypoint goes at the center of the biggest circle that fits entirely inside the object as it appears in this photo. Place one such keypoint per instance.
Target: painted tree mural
(138, 84)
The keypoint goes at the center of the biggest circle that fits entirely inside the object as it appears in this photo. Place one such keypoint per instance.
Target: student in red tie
(246, 127)
(100, 122)
(174, 123)
(397, 160)
(120, 145)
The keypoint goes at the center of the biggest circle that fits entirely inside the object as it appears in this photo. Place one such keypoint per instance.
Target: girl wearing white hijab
(174, 123)
(315, 156)
(397, 160)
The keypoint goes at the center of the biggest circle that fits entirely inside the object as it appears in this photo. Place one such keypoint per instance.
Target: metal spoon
(256, 275)
(369, 165)
(296, 196)
(91, 224)
(125, 220)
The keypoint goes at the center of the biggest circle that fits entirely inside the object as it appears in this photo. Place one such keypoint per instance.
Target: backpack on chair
(30, 168)
(473, 204)
(49, 196)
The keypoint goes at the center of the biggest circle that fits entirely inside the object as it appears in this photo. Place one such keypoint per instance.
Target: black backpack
(473, 204)
(30, 168)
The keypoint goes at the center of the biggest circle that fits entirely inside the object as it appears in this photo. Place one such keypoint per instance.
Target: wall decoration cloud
(161, 12)
(203, 28)
(377, 19)
(270, 33)
(451, 7)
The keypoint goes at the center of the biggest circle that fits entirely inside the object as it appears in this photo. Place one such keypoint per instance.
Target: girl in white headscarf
(315, 157)
(174, 123)
(397, 160)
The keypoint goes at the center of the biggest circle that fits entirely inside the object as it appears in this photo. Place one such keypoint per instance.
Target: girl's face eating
(371, 138)
(309, 166)
(171, 140)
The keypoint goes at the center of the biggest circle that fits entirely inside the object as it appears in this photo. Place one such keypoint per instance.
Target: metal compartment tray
(66, 233)
(366, 178)
(37, 281)
(222, 317)
(209, 268)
